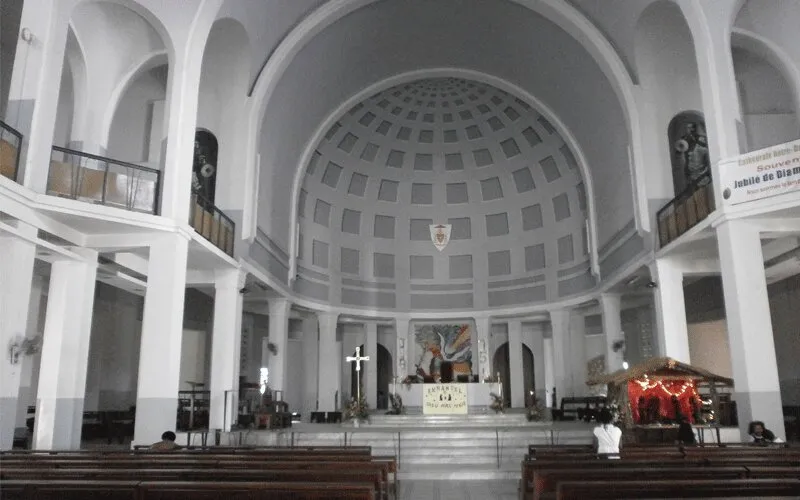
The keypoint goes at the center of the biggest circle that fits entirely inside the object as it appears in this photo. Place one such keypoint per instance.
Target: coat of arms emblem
(440, 235)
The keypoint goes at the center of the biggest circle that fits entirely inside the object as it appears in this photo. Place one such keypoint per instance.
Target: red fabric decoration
(657, 403)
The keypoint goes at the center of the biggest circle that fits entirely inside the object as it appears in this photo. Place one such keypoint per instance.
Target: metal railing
(97, 179)
(211, 223)
(10, 146)
(684, 211)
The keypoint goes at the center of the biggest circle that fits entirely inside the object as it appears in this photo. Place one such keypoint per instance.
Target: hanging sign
(760, 174)
(444, 399)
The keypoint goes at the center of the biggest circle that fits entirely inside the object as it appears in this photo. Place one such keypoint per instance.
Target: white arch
(146, 63)
(560, 13)
(569, 139)
(79, 69)
(772, 53)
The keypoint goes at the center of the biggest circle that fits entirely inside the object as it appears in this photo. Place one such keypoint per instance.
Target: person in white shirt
(607, 435)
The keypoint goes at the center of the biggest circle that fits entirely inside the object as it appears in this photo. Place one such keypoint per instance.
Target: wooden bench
(581, 490)
(177, 490)
(547, 480)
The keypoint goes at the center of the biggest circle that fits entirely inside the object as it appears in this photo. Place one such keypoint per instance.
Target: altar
(446, 399)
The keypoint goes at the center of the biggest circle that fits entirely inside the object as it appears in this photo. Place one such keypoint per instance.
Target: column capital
(279, 305)
(327, 321)
(230, 279)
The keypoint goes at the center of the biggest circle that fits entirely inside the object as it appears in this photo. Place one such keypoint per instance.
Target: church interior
(438, 239)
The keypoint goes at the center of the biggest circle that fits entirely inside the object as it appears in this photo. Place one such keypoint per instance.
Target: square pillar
(279, 336)
(755, 369)
(226, 346)
(610, 303)
(16, 277)
(402, 358)
(577, 354)
(162, 334)
(560, 320)
(369, 376)
(310, 364)
(65, 354)
(483, 325)
(35, 85)
(549, 371)
(329, 361)
(517, 383)
(670, 305)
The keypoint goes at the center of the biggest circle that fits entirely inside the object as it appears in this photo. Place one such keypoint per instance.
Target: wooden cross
(358, 358)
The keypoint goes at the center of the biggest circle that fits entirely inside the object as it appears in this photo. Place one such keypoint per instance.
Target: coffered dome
(442, 151)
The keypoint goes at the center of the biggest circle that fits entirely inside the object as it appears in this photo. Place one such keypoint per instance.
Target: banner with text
(444, 399)
(760, 174)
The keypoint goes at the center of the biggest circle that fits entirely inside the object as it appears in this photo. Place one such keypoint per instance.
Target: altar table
(478, 394)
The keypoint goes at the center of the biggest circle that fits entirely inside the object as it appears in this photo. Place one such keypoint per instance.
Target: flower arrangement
(397, 405)
(497, 403)
(534, 412)
(357, 409)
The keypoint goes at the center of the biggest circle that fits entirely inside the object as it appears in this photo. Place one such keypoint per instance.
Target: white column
(755, 369)
(560, 319)
(310, 364)
(35, 84)
(369, 377)
(517, 383)
(670, 305)
(549, 371)
(329, 361)
(226, 346)
(182, 95)
(278, 335)
(16, 275)
(577, 354)
(484, 326)
(162, 334)
(65, 354)
(611, 303)
(29, 380)
(403, 362)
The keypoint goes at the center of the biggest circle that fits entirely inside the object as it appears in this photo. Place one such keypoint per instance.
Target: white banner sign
(760, 174)
(444, 399)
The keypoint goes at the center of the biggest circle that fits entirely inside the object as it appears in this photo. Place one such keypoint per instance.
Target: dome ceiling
(442, 151)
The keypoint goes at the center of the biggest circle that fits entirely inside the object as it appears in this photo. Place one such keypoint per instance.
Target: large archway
(384, 376)
(502, 365)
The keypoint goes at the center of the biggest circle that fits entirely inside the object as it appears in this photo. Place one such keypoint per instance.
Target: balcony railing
(96, 179)
(10, 145)
(687, 209)
(212, 224)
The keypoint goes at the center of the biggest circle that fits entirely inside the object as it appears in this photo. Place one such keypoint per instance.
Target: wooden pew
(687, 488)
(547, 480)
(176, 490)
(313, 475)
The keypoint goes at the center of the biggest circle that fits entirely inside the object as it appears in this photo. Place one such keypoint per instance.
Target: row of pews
(309, 473)
(572, 472)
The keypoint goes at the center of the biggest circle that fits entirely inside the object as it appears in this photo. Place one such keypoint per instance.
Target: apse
(473, 158)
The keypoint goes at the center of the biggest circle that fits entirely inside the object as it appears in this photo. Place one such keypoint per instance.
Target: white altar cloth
(478, 394)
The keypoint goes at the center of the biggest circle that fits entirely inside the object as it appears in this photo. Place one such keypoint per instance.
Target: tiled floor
(457, 490)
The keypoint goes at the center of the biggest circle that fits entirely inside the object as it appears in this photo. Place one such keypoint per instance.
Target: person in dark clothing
(685, 432)
(760, 433)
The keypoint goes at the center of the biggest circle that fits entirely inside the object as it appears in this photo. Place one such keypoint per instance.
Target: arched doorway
(501, 364)
(384, 376)
(204, 165)
(689, 148)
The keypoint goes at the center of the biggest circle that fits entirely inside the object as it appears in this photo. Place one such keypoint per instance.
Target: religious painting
(439, 344)
(204, 167)
(689, 151)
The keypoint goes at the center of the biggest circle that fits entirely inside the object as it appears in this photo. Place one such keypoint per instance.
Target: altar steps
(472, 447)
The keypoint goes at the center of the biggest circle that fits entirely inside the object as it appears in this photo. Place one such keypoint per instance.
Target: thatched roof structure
(662, 369)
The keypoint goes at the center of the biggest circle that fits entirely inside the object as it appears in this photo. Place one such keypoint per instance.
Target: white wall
(64, 111)
(295, 374)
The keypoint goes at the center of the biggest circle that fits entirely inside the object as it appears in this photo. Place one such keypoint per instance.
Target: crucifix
(358, 358)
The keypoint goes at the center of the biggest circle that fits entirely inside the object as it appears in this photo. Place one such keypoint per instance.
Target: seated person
(607, 435)
(167, 442)
(761, 434)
